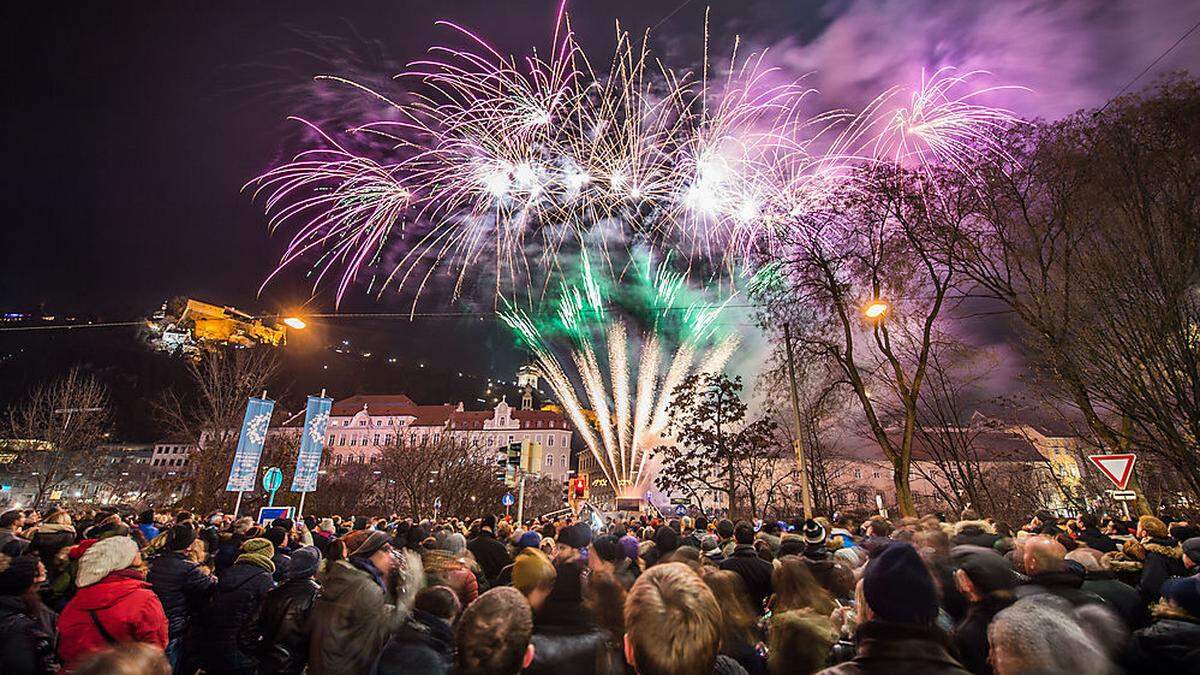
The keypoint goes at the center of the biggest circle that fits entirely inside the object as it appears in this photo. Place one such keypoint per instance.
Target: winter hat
(897, 586)
(578, 535)
(608, 548)
(456, 543)
(1185, 592)
(179, 538)
(17, 573)
(103, 557)
(258, 551)
(988, 570)
(665, 540)
(327, 526)
(373, 543)
(276, 535)
(530, 568)
(710, 546)
(1191, 549)
(304, 563)
(813, 532)
(630, 544)
(530, 539)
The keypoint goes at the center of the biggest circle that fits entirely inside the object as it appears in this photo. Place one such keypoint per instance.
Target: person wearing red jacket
(114, 604)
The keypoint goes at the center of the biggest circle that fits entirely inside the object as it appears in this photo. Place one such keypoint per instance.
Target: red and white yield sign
(1118, 468)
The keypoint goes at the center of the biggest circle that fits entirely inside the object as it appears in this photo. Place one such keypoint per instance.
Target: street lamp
(876, 309)
(294, 322)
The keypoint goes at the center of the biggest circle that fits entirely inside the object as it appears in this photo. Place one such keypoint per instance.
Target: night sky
(129, 128)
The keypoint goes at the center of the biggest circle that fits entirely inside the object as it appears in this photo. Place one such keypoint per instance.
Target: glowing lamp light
(877, 309)
(295, 322)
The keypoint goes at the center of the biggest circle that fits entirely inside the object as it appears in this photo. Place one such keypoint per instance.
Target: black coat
(1066, 585)
(1167, 646)
(1121, 597)
(896, 649)
(971, 635)
(283, 563)
(1096, 539)
(182, 588)
(229, 622)
(754, 571)
(490, 553)
(283, 625)
(47, 541)
(1164, 559)
(424, 644)
(26, 647)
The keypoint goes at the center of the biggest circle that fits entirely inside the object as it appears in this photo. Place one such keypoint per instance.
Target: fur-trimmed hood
(974, 527)
(1163, 547)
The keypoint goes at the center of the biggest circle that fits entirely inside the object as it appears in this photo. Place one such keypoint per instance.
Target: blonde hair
(672, 622)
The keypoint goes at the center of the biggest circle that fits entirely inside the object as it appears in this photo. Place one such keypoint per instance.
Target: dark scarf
(369, 567)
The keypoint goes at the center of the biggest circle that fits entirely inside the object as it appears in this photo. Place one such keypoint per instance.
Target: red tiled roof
(377, 404)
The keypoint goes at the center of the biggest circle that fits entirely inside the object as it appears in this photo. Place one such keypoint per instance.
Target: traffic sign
(681, 510)
(1118, 468)
(272, 479)
(1124, 495)
(508, 499)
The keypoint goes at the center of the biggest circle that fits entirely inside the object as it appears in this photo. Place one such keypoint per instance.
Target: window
(564, 461)
(875, 474)
(376, 439)
(353, 441)
(491, 440)
(342, 439)
(387, 439)
(549, 460)
(858, 473)
(362, 423)
(550, 441)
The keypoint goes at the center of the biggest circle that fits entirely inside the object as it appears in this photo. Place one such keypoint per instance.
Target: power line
(1152, 64)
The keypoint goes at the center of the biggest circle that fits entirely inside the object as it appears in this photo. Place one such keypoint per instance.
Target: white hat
(105, 556)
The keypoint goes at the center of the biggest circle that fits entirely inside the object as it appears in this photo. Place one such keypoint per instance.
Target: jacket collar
(887, 641)
(745, 551)
(369, 567)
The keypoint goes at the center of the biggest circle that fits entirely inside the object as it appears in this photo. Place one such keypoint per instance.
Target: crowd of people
(102, 592)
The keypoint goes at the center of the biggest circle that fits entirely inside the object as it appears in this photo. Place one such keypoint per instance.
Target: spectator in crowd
(986, 580)
(26, 626)
(740, 640)
(796, 588)
(800, 642)
(11, 525)
(1171, 644)
(658, 638)
(182, 586)
(1191, 555)
(146, 525)
(49, 538)
(1048, 572)
(1090, 534)
(1099, 579)
(132, 658)
(1042, 636)
(971, 530)
(230, 620)
(664, 543)
(897, 607)
(1163, 557)
(114, 603)
(493, 635)
(605, 554)
(725, 540)
(491, 553)
(229, 544)
(425, 643)
(533, 575)
(355, 614)
(279, 539)
(754, 571)
(283, 620)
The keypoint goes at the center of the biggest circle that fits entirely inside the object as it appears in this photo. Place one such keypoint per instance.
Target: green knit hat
(259, 546)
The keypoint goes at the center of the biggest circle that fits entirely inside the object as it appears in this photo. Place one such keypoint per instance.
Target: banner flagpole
(237, 506)
(300, 509)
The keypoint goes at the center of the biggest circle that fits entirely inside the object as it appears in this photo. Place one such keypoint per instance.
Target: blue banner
(312, 444)
(250, 445)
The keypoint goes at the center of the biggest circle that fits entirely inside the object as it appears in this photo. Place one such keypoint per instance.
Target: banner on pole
(312, 444)
(250, 445)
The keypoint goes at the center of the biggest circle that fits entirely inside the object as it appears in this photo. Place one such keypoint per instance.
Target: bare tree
(56, 431)
(210, 416)
(413, 477)
(889, 235)
(1090, 235)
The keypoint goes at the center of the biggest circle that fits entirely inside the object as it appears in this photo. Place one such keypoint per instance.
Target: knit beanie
(578, 535)
(258, 551)
(372, 544)
(104, 557)
(179, 537)
(898, 588)
(530, 539)
(17, 573)
(530, 566)
(304, 563)
(1184, 592)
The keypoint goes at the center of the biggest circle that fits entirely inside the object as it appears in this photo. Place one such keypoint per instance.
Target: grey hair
(1041, 633)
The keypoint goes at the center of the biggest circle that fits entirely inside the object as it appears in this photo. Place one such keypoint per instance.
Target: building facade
(361, 426)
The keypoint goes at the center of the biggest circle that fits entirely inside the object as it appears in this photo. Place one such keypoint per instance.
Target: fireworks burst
(621, 373)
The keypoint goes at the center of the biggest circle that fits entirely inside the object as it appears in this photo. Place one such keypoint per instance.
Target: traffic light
(514, 454)
(579, 487)
(531, 457)
(501, 465)
(566, 491)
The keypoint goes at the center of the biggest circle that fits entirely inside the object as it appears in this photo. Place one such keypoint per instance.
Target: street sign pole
(520, 499)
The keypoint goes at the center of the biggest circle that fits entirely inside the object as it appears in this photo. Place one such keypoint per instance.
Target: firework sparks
(623, 385)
